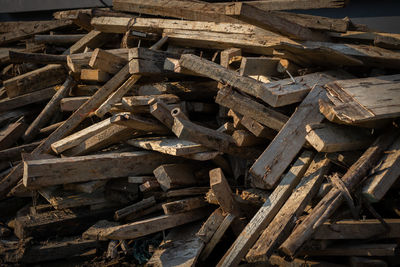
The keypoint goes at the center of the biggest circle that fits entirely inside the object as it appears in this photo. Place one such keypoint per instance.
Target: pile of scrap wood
(182, 133)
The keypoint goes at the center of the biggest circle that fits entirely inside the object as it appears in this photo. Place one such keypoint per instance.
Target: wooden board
(11, 133)
(184, 205)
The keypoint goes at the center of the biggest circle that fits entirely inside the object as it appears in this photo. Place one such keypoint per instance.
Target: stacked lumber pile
(182, 133)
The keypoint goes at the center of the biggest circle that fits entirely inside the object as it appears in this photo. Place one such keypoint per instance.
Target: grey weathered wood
(106, 61)
(131, 209)
(11, 133)
(24, 57)
(184, 205)
(174, 176)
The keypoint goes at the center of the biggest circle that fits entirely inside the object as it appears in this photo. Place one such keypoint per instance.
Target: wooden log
(35, 80)
(26, 99)
(184, 205)
(267, 212)
(152, 225)
(106, 61)
(12, 133)
(284, 221)
(334, 198)
(328, 137)
(31, 29)
(39, 173)
(43, 225)
(269, 21)
(384, 175)
(24, 57)
(257, 129)
(181, 247)
(172, 176)
(57, 39)
(72, 103)
(276, 158)
(171, 146)
(131, 209)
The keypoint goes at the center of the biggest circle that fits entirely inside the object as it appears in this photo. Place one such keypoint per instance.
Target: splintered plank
(267, 212)
(39, 173)
(365, 100)
(167, 145)
(285, 219)
(281, 151)
(328, 137)
(251, 108)
(270, 21)
(384, 175)
(152, 225)
(32, 28)
(35, 80)
(181, 247)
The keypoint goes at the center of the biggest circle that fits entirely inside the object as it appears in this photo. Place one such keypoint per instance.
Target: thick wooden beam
(106, 61)
(26, 99)
(171, 176)
(184, 205)
(266, 213)
(284, 221)
(24, 57)
(12, 133)
(134, 208)
(39, 173)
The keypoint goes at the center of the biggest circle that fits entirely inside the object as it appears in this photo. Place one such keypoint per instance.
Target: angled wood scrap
(284, 221)
(267, 212)
(210, 138)
(334, 198)
(269, 21)
(39, 173)
(181, 247)
(247, 107)
(355, 229)
(43, 225)
(32, 28)
(384, 175)
(11, 133)
(140, 123)
(152, 225)
(363, 101)
(167, 145)
(26, 99)
(329, 137)
(35, 80)
(106, 61)
(355, 250)
(184, 205)
(269, 167)
(72, 103)
(134, 208)
(171, 176)
(52, 250)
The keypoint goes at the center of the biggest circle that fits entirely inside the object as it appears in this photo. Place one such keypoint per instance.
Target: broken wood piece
(284, 221)
(140, 179)
(147, 61)
(106, 61)
(172, 176)
(267, 212)
(387, 42)
(93, 40)
(72, 103)
(86, 187)
(384, 174)
(329, 137)
(40, 173)
(150, 186)
(152, 225)
(269, 167)
(140, 123)
(131, 209)
(184, 205)
(245, 138)
(227, 54)
(11, 133)
(24, 57)
(133, 101)
(257, 129)
(94, 75)
(26, 99)
(332, 200)
(172, 64)
(251, 66)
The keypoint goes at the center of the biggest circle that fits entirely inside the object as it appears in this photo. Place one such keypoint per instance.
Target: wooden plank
(140, 179)
(12, 133)
(150, 186)
(267, 212)
(94, 75)
(387, 42)
(367, 99)
(60, 39)
(181, 247)
(93, 39)
(171, 146)
(284, 221)
(332, 200)
(329, 137)
(26, 99)
(152, 225)
(146, 62)
(140, 123)
(134, 208)
(31, 29)
(248, 107)
(269, 21)
(35, 80)
(14, 153)
(211, 225)
(24, 57)
(106, 61)
(184, 205)
(269, 167)
(258, 66)
(246, 138)
(72, 103)
(384, 175)
(38, 173)
(354, 229)
(171, 176)
(355, 250)
(227, 54)
(257, 128)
